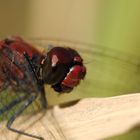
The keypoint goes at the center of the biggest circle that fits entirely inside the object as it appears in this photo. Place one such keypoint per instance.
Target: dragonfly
(23, 68)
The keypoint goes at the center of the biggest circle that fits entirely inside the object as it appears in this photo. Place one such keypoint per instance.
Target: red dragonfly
(25, 69)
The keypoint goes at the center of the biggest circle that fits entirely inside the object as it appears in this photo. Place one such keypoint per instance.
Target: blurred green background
(105, 32)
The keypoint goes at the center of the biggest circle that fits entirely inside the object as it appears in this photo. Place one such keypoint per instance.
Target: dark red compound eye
(63, 69)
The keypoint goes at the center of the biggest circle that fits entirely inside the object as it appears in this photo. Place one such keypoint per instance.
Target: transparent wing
(106, 69)
(86, 50)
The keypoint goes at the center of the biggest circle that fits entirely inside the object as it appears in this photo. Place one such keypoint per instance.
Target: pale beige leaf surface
(89, 119)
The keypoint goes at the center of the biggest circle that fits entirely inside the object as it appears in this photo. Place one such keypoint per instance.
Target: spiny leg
(31, 66)
(40, 84)
(12, 104)
(21, 109)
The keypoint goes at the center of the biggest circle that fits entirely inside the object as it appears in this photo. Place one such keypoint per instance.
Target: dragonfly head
(63, 69)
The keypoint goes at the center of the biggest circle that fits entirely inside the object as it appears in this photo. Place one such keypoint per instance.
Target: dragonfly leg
(43, 99)
(21, 109)
(39, 82)
(31, 66)
(12, 104)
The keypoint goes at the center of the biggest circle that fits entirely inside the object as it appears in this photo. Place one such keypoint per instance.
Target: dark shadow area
(68, 104)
